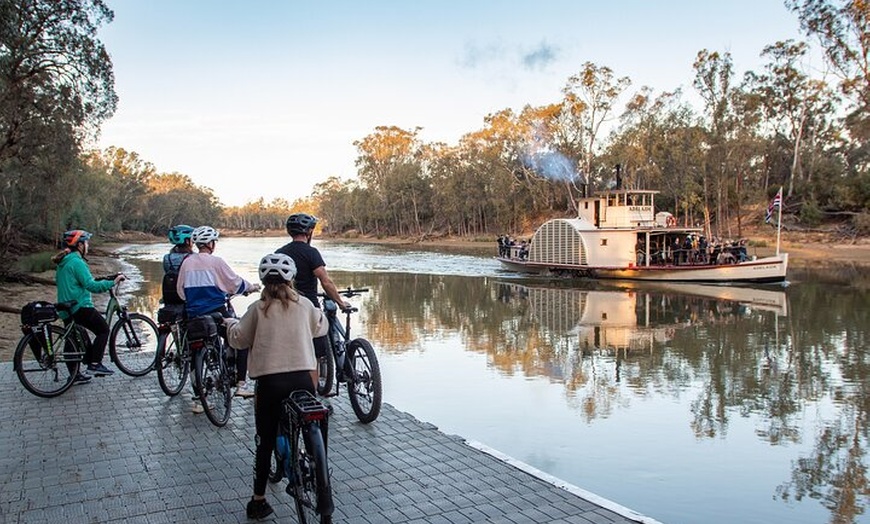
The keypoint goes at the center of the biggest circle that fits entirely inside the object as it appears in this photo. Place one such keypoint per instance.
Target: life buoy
(671, 221)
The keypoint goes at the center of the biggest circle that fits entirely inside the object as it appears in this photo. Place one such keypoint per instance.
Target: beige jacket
(281, 341)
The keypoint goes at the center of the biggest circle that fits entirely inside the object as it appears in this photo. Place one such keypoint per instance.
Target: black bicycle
(300, 455)
(351, 361)
(200, 345)
(173, 359)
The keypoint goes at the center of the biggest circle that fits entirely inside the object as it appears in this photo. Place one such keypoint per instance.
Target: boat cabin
(621, 208)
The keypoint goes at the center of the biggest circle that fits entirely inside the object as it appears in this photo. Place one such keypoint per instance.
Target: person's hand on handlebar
(120, 277)
(254, 288)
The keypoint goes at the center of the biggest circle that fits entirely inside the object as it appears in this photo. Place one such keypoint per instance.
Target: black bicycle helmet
(300, 223)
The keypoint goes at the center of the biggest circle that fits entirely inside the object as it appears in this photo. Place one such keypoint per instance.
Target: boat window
(603, 241)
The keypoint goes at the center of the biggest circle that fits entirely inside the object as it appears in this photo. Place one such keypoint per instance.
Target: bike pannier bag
(201, 328)
(39, 312)
(169, 313)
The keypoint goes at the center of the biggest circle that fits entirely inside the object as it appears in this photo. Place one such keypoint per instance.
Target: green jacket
(75, 282)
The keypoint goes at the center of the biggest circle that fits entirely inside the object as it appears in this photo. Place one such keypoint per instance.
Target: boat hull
(768, 269)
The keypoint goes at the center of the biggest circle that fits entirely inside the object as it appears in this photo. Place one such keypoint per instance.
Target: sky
(264, 99)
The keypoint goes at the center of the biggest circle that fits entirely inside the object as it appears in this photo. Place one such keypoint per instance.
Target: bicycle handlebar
(348, 293)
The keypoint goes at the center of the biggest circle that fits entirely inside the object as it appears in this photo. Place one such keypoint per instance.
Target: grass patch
(36, 262)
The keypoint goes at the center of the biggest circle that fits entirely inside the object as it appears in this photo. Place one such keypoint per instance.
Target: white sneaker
(197, 407)
(245, 390)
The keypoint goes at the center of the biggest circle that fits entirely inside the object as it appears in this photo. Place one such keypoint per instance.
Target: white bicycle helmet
(204, 235)
(277, 265)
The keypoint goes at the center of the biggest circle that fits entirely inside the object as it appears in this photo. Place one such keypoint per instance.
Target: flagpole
(779, 220)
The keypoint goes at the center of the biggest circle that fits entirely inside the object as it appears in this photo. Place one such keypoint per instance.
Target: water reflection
(688, 403)
(728, 354)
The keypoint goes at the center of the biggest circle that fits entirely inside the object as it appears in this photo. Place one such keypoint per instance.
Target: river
(686, 403)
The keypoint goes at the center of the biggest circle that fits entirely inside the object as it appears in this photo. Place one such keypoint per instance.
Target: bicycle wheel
(46, 362)
(133, 344)
(215, 387)
(364, 382)
(172, 368)
(325, 372)
(281, 457)
(311, 488)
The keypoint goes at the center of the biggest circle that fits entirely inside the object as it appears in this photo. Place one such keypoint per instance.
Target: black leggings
(90, 319)
(270, 391)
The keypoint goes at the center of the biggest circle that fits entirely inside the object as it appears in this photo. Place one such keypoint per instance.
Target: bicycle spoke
(216, 390)
(133, 344)
(46, 362)
(172, 368)
(364, 384)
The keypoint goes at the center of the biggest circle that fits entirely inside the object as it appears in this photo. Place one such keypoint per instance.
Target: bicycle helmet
(277, 266)
(73, 237)
(179, 234)
(204, 235)
(300, 223)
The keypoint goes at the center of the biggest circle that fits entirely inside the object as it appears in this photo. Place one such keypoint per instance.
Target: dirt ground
(804, 250)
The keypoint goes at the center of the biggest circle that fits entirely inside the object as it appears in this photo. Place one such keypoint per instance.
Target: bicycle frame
(70, 329)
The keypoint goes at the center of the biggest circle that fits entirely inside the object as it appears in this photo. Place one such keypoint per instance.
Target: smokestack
(618, 177)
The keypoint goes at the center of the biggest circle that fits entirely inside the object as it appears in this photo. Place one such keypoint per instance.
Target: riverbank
(806, 250)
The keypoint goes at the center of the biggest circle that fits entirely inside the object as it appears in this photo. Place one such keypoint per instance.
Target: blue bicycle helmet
(179, 234)
(300, 223)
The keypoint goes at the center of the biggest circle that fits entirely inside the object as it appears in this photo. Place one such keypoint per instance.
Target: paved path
(119, 450)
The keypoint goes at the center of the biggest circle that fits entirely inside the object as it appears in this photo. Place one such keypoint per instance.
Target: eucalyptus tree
(714, 76)
(842, 28)
(598, 88)
(333, 197)
(389, 165)
(56, 88)
(173, 198)
(795, 106)
(659, 145)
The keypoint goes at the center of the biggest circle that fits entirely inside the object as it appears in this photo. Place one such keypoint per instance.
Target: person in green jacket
(75, 283)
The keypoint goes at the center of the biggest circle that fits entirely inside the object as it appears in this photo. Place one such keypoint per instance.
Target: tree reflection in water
(766, 354)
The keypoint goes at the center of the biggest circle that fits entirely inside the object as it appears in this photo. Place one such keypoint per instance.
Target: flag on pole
(776, 203)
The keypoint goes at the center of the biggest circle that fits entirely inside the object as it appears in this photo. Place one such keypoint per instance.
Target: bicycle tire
(133, 344)
(326, 372)
(364, 381)
(215, 389)
(46, 376)
(312, 489)
(281, 456)
(172, 369)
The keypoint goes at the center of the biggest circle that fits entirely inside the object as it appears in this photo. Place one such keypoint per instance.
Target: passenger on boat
(523, 251)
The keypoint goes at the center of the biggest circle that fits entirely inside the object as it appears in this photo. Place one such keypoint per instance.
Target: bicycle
(351, 361)
(133, 339)
(38, 360)
(300, 453)
(199, 342)
(173, 356)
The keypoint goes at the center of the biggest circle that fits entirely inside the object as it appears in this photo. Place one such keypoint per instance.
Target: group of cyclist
(281, 330)
(284, 335)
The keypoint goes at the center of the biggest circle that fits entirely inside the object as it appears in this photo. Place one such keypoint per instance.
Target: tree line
(779, 126)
